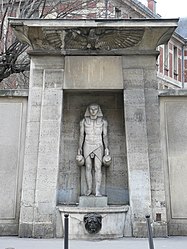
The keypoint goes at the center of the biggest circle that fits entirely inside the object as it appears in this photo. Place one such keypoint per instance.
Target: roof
(182, 27)
(182, 24)
(145, 9)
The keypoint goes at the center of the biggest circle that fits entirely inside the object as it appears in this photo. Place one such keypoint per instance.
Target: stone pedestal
(93, 201)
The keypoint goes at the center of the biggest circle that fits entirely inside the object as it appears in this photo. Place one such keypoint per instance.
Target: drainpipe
(106, 9)
(182, 66)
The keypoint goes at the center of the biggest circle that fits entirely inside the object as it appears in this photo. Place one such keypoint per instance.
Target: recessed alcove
(115, 177)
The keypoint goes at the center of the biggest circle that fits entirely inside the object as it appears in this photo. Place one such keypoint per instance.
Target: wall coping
(173, 93)
(14, 93)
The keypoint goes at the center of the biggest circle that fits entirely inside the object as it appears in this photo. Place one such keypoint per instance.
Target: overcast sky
(170, 8)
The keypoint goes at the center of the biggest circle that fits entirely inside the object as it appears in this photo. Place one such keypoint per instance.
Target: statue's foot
(98, 194)
(88, 192)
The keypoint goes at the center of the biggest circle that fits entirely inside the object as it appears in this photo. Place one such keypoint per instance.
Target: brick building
(172, 61)
(172, 70)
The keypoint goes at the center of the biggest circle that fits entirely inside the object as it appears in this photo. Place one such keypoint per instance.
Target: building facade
(40, 123)
(172, 70)
(171, 63)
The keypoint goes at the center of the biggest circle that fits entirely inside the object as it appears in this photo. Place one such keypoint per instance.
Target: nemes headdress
(87, 113)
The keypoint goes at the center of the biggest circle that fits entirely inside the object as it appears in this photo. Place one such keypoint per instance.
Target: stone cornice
(93, 35)
(79, 52)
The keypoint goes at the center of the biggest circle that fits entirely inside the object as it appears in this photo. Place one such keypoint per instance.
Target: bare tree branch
(13, 58)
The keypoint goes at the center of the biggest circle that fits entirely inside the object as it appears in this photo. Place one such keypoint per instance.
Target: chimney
(152, 5)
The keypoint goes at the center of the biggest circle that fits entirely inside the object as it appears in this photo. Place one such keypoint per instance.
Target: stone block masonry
(38, 204)
(136, 130)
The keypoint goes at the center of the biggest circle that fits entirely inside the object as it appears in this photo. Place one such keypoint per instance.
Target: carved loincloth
(95, 149)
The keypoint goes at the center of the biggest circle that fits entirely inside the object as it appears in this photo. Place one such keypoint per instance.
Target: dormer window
(117, 13)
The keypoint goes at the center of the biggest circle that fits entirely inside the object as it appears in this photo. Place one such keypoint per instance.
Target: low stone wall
(13, 109)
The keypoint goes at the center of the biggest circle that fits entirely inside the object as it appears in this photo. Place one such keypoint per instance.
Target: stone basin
(115, 221)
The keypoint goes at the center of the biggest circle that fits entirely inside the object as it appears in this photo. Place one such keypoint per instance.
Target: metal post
(66, 231)
(150, 235)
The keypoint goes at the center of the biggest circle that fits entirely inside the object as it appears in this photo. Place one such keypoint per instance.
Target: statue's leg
(88, 164)
(98, 176)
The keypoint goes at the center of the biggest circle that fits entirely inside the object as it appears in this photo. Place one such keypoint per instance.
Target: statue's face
(94, 110)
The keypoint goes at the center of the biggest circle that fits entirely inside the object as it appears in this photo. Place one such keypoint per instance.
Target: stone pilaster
(41, 160)
(143, 140)
(154, 150)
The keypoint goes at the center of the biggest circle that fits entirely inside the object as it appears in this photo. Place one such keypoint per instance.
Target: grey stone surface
(12, 135)
(155, 162)
(92, 201)
(25, 230)
(42, 147)
(44, 230)
(93, 72)
(114, 221)
(137, 158)
(10, 141)
(174, 137)
(143, 143)
(9, 228)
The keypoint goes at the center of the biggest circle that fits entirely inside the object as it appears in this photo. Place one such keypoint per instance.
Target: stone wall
(174, 151)
(12, 140)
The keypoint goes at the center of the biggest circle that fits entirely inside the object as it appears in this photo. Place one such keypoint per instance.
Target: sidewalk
(124, 243)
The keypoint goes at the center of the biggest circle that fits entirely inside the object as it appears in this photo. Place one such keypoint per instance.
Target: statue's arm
(105, 137)
(81, 137)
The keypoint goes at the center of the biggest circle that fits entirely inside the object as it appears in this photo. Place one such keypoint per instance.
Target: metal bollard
(66, 220)
(150, 235)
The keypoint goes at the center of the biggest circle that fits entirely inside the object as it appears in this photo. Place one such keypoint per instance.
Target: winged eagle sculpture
(95, 38)
(106, 39)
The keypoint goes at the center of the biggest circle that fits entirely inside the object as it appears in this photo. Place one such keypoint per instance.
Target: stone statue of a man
(93, 145)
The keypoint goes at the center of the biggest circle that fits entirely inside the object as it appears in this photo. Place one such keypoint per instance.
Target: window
(166, 56)
(175, 59)
(117, 13)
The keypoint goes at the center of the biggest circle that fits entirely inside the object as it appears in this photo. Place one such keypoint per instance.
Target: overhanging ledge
(93, 35)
